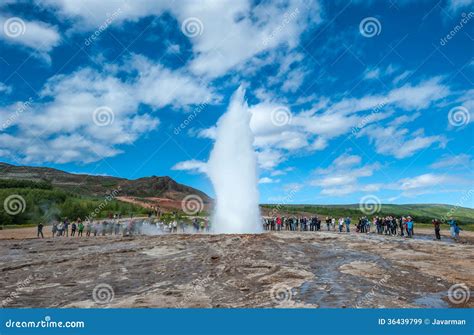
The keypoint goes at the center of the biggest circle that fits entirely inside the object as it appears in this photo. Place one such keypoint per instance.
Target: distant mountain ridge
(95, 185)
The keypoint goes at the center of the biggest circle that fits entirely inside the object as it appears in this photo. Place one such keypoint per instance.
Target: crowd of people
(389, 225)
(119, 226)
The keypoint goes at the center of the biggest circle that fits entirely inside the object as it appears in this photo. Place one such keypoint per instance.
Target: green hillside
(29, 202)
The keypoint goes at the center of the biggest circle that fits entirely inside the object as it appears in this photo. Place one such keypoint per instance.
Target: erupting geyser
(232, 168)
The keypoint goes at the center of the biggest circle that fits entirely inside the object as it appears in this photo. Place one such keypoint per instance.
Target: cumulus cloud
(400, 142)
(342, 176)
(230, 32)
(192, 165)
(424, 183)
(35, 36)
(235, 31)
(86, 115)
(311, 130)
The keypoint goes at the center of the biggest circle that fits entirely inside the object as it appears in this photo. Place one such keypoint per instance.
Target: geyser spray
(232, 168)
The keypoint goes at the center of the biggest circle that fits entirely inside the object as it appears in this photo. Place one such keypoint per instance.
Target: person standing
(437, 228)
(454, 229)
(73, 229)
(60, 229)
(348, 224)
(66, 227)
(80, 228)
(278, 223)
(40, 230)
(88, 229)
(410, 225)
(54, 229)
(341, 223)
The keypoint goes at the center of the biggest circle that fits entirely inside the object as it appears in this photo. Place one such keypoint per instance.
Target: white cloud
(89, 14)
(454, 161)
(32, 35)
(402, 76)
(406, 118)
(232, 31)
(269, 159)
(158, 86)
(343, 174)
(456, 5)
(400, 143)
(63, 129)
(408, 97)
(372, 74)
(192, 165)
(377, 73)
(268, 180)
(4, 88)
(311, 130)
(235, 31)
(420, 184)
(424, 183)
(281, 172)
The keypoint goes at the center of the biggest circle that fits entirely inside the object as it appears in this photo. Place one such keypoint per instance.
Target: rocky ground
(287, 269)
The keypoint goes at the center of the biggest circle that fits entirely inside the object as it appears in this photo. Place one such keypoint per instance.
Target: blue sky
(349, 99)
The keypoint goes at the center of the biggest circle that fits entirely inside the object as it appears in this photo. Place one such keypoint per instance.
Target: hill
(39, 194)
(93, 185)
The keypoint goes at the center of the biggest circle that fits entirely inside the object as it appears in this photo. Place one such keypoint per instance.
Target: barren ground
(287, 269)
